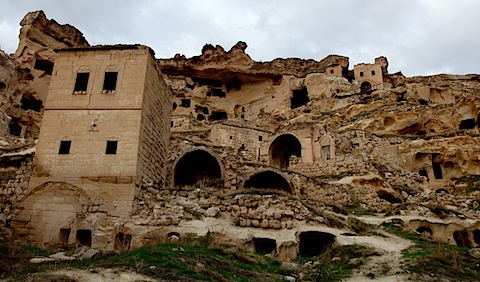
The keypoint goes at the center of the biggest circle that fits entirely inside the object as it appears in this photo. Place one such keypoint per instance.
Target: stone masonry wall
(154, 128)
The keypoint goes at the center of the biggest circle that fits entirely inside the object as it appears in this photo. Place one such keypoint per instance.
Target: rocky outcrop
(224, 66)
(25, 76)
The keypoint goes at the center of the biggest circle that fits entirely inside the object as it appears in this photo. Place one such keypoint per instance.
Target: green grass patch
(437, 259)
(336, 263)
(167, 261)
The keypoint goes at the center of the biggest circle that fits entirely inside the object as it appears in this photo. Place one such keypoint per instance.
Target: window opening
(64, 235)
(373, 72)
(111, 147)
(361, 73)
(65, 147)
(299, 98)
(423, 172)
(110, 82)
(437, 170)
(44, 65)
(31, 104)
(185, 103)
(468, 124)
(326, 152)
(81, 83)
(84, 237)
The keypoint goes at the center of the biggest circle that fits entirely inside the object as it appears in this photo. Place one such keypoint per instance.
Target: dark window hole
(81, 82)
(110, 82)
(111, 148)
(84, 237)
(299, 98)
(65, 147)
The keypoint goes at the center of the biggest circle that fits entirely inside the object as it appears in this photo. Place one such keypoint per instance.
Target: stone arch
(282, 148)
(51, 207)
(196, 166)
(268, 179)
(365, 87)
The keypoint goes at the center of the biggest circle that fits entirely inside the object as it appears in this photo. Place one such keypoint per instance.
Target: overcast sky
(419, 37)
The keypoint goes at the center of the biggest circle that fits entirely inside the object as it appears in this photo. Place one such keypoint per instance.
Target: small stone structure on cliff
(280, 156)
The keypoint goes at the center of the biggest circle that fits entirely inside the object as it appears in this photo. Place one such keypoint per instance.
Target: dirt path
(387, 266)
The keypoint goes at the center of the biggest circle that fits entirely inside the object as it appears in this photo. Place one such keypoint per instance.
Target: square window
(331, 71)
(373, 72)
(81, 82)
(111, 147)
(110, 82)
(65, 147)
(260, 138)
(185, 103)
(84, 237)
(361, 73)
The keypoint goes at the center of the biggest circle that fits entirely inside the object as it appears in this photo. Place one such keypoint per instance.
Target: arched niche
(365, 87)
(268, 179)
(196, 166)
(282, 148)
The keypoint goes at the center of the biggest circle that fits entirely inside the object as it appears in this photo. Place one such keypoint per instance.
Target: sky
(419, 37)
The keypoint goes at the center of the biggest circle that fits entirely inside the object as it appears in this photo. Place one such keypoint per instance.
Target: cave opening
(218, 115)
(282, 149)
(31, 104)
(299, 98)
(265, 246)
(476, 236)
(467, 124)
(314, 243)
(461, 238)
(44, 65)
(196, 166)
(268, 180)
(424, 231)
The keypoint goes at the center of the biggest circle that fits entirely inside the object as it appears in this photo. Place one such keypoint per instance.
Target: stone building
(104, 135)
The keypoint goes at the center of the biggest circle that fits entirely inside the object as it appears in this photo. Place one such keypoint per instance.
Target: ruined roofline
(108, 47)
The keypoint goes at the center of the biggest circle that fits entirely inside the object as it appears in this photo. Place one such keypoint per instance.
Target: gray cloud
(418, 37)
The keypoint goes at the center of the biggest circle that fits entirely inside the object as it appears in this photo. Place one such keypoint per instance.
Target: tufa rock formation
(293, 152)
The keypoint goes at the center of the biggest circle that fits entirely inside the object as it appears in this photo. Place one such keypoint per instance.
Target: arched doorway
(196, 166)
(268, 180)
(365, 87)
(282, 148)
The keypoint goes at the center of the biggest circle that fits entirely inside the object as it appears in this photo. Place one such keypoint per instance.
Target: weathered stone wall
(88, 131)
(154, 128)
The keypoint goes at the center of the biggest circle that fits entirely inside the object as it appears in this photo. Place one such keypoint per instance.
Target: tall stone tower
(105, 133)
